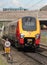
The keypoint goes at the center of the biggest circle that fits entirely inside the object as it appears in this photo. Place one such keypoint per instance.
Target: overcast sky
(30, 4)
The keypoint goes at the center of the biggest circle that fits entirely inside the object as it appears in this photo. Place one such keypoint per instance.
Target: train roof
(12, 23)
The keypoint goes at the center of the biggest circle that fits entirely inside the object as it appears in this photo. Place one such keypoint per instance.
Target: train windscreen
(29, 23)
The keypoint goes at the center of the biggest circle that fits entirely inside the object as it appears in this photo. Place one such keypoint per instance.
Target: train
(23, 32)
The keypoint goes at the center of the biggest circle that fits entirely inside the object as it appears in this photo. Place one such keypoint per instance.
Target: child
(7, 47)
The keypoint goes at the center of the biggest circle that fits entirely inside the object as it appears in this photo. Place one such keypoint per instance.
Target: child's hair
(6, 39)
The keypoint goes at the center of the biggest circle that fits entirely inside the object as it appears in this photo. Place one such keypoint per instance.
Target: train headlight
(21, 35)
(38, 36)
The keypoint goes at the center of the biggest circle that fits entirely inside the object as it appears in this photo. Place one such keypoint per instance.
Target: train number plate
(29, 40)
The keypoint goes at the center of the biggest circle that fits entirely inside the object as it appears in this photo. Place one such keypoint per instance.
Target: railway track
(37, 57)
(41, 59)
(43, 50)
(43, 45)
(42, 54)
(27, 58)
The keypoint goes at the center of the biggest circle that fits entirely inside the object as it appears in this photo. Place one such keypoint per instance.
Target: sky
(29, 4)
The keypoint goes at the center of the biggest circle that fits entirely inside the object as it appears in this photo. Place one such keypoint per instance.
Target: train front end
(29, 31)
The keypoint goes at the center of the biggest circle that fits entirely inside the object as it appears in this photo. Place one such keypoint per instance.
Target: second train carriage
(26, 31)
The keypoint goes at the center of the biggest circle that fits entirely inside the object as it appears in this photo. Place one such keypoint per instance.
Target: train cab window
(29, 23)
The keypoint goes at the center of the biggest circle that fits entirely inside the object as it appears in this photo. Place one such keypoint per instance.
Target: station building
(10, 15)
